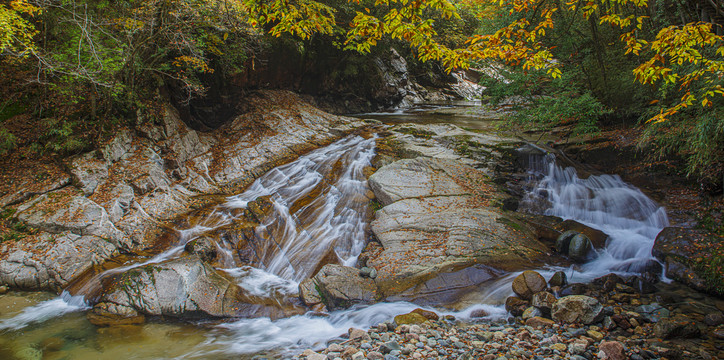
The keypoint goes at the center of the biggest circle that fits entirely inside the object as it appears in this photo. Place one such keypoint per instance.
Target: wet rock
(543, 301)
(110, 314)
(539, 322)
(577, 309)
(342, 286)
(621, 321)
(184, 286)
(308, 293)
(204, 247)
(579, 248)
(358, 334)
(653, 312)
(430, 315)
(714, 319)
(608, 282)
(516, 305)
(678, 271)
(559, 278)
(573, 289)
(676, 327)
(612, 350)
(608, 323)
(313, 355)
(643, 285)
(414, 178)
(126, 190)
(479, 313)
(597, 237)
(564, 240)
(389, 347)
(528, 283)
(433, 223)
(531, 312)
(367, 272)
(577, 347)
(261, 207)
(678, 248)
(718, 332)
(410, 318)
(653, 266)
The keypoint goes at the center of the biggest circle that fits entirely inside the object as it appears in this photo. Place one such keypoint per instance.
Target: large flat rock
(415, 178)
(440, 217)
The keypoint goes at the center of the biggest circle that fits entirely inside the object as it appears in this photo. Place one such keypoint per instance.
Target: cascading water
(319, 214)
(605, 202)
(319, 205)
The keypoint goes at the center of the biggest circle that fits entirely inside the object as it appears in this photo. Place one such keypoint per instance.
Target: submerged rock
(110, 314)
(676, 327)
(653, 312)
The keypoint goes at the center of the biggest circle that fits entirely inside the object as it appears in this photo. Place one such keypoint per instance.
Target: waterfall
(605, 202)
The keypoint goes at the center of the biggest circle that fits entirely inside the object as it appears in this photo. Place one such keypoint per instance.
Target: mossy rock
(410, 319)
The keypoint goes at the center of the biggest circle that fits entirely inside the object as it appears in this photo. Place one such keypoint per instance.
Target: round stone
(528, 283)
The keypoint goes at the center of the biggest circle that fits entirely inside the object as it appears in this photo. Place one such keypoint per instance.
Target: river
(320, 202)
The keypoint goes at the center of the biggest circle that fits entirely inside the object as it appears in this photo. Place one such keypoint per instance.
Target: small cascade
(44, 311)
(319, 209)
(604, 202)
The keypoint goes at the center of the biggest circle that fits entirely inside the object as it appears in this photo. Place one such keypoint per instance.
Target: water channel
(320, 209)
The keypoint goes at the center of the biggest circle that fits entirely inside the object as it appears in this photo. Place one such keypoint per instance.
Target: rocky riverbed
(445, 229)
(608, 320)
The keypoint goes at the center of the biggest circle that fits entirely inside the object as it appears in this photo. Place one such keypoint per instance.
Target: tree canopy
(603, 46)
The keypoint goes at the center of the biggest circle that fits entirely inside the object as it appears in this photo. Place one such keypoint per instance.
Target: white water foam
(261, 283)
(300, 332)
(44, 311)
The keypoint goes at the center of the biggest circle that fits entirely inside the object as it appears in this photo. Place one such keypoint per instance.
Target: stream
(320, 210)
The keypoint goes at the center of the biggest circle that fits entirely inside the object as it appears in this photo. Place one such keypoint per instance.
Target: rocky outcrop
(338, 286)
(440, 214)
(185, 287)
(122, 194)
(399, 89)
(683, 252)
